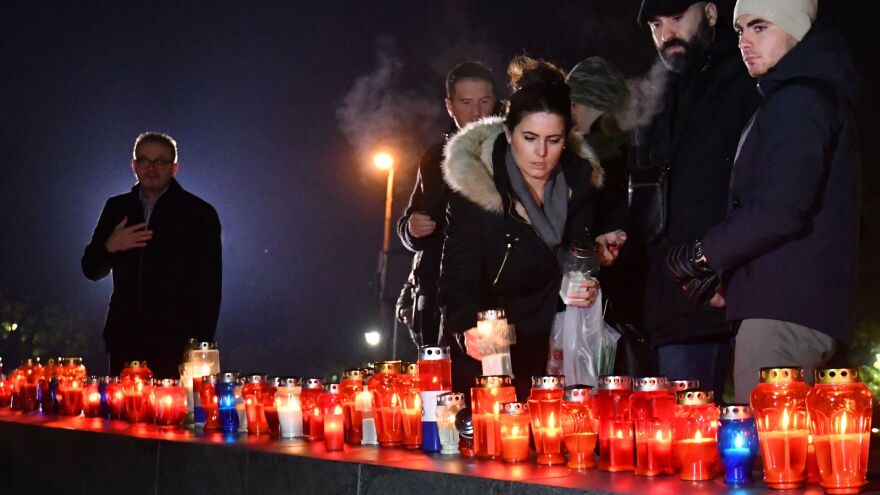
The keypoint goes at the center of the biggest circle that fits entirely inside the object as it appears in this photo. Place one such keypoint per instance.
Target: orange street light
(383, 161)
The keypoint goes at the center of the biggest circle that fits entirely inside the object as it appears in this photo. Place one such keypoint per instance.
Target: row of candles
(647, 425)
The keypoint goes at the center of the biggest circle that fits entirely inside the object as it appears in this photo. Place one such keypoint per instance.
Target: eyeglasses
(159, 163)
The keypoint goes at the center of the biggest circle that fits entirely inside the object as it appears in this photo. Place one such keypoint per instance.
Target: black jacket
(168, 291)
(486, 224)
(696, 136)
(789, 245)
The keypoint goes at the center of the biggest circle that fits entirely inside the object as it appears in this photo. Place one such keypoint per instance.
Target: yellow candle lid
(837, 375)
(492, 381)
(694, 397)
(782, 374)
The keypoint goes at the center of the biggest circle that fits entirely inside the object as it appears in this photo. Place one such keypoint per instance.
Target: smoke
(378, 113)
(646, 97)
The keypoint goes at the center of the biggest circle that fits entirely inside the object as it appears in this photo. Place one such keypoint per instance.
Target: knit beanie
(794, 16)
(597, 84)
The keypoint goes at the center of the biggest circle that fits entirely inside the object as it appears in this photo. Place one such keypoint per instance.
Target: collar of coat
(468, 167)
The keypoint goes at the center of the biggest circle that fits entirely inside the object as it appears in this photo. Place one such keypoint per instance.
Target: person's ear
(508, 136)
(711, 11)
(449, 108)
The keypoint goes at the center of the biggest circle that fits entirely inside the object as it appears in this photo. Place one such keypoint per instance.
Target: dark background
(276, 108)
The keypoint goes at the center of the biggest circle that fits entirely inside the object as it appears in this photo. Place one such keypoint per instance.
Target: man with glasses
(162, 244)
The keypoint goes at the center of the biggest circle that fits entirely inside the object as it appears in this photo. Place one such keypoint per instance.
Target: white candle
(290, 417)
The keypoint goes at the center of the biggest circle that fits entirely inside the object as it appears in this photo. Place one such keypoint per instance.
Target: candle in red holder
(514, 421)
(70, 395)
(387, 404)
(135, 377)
(780, 408)
(5, 391)
(49, 387)
(254, 394)
(653, 407)
(331, 410)
(412, 406)
(351, 384)
(210, 403)
(269, 406)
(695, 430)
(615, 423)
(839, 408)
(545, 411)
(489, 392)
(435, 372)
(168, 399)
(116, 398)
(312, 388)
(92, 398)
(579, 426)
(31, 373)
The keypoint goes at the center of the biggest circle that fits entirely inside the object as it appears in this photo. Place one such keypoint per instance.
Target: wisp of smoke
(646, 97)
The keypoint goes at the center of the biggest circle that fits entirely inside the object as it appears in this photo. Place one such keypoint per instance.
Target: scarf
(549, 221)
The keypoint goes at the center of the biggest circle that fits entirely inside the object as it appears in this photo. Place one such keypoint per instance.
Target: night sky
(276, 108)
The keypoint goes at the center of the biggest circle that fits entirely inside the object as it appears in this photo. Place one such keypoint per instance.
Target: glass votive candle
(331, 409)
(312, 388)
(363, 408)
(351, 384)
(694, 434)
(70, 395)
(169, 403)
(136, 377)
(448, 406)
(210, 403)
(545, 411)
(840, 408)
(387, 404)
(410, 396)
(489, 392)
(435, 378)
(779, 403)
(116, 398)
(616, 451)
(738, 443)
(49, 387)
(514, 421)
(5, 392)
(269, 406)
(254, 392)
(287, 403)
(579, 426)
(31, 372)
(92, 398)
(653, 407)
(226, 401)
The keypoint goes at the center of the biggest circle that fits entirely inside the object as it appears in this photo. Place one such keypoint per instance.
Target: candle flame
(394, 400)
(497, 407)
(551, 421)
(168, 401)
(95, 397)
(316, 412)
(620, 434)
(337, 410)
(434, 379)
(738, 442)
(843, 422)
(658, 436)
(785, 419)
(417, 404)
(698, 436)
(515, 431)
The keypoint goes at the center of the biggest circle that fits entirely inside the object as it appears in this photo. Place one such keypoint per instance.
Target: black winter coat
(696, 136)
(486, 224)
(789, 245)
(168, 291)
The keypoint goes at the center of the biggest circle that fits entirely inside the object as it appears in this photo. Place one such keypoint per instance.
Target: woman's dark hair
(536, 86)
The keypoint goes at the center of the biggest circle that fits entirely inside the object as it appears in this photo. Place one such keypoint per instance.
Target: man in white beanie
(785, 258)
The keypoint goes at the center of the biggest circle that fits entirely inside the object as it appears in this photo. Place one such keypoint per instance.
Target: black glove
(688, 268)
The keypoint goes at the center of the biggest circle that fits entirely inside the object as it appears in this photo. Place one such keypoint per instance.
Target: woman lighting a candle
(523, 188)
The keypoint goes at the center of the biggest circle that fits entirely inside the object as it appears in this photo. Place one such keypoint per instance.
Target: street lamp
(373, 338)
(384, 161)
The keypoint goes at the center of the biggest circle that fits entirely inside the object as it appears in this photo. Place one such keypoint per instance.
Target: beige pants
(771, 343)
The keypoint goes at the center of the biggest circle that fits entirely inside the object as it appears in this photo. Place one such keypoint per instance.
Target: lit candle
(289, 416)
(169, 403)
(210, 402)
(333, 429)
(615, 423)
(92, 404)
(408, 388)
(653, 406)
(309, 396)
(254, 392)
(435, 377)
(487, 396)
(579, 426)
(697, 456)
(71, 396)
(694, 431)
(448, 405)
(351, 384)
(514, 432)
(363, 407)
(316, 425)
(737, 443)
(545, 407)
(136, 378)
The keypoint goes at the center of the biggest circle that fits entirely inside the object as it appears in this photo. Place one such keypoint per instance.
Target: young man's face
(762, 43)
(681, 37)
(473, 100)
(154, 166)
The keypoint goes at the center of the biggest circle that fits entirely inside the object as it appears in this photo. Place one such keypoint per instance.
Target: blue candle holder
(738, 443)
(104, 408)
(226, 402)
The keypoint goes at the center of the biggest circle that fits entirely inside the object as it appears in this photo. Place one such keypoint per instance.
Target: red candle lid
(492, 381)
(615, 382)
(694, 397)
(736, 412)
(514, 408)
(788, 374)
(650, 383)
(433, 353)
(577, 393)
(830, 376)
(548, 381)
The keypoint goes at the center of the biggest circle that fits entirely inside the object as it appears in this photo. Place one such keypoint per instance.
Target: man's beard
(693, 48)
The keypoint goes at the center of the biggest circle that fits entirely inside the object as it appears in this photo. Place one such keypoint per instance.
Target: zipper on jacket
(511, 240)
(512, 213)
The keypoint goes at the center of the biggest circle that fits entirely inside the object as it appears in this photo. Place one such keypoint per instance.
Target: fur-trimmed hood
(467, 167)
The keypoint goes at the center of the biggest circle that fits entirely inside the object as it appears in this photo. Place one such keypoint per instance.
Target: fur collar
(467, 167)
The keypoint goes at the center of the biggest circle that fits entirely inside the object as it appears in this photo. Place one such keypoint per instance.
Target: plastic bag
(582, 345)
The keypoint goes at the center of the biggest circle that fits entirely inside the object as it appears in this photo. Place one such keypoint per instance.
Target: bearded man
(679, 174)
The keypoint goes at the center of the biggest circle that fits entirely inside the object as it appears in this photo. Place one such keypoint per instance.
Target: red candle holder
(210, 403)
(653, 407)
(168, 399)
(487, 396)
(387, 403)
(352, 383)
(615, 423)
(255, 393)
(412, 406)
(269, 407)
(5, 391)
(779, 404)
(116, 398)
(31, 372)
(695, 430)
(840, 408)
(48, 396)
(92, 398)
(579, 426)
(331, 409)
(70, 395)
(312, 388)
(545, 410)
(136, 377)
(514, 421)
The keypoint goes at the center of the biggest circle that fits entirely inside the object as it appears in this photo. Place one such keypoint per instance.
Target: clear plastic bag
(582, 345)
